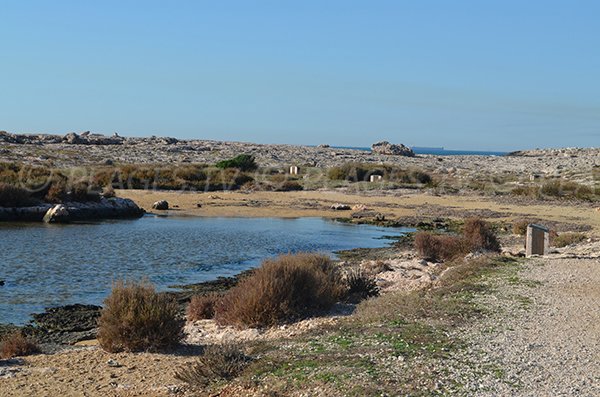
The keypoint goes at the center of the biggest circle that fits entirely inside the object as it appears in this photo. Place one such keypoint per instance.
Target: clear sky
(490, 75)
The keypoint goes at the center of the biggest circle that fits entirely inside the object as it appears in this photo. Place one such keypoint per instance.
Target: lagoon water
(50, 265)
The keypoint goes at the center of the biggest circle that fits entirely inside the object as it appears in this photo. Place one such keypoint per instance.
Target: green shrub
(243, 162)
(217, 363)
(14, 196)
(282, 290)
(137, 318)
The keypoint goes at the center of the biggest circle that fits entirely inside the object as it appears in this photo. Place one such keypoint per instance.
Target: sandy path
(318, 203)
(551, 347)
(86, 373)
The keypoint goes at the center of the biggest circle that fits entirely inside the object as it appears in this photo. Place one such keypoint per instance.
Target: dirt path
(543, 340)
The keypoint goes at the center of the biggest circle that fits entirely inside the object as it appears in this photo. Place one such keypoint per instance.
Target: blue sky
(490, 75)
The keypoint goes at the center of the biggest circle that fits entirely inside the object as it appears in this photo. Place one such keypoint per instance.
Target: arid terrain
(483, 325)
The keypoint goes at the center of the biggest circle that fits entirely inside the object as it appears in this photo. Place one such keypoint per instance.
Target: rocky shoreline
(105, 208)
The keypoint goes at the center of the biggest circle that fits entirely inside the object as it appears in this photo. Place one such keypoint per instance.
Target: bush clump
(137, 318)
(16, 344)
(202, 307)
(243, 162)
(13, 196)
(568, 238)
(477, 235)
(440, 247)
(360, 285)
(480, 236)
(519, 227)
(283, 289)
(217, 363)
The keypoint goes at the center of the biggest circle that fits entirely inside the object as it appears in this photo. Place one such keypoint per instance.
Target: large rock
(161, 205)
(57, 214)
(392, 149)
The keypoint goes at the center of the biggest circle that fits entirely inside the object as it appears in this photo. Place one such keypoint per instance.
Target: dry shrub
(480, 236)
(202, 307)
(13, 196)
(568, 238)
(283, 289)
(137, 318)
(16, 344)
(519, 227)
(440, 247)
(360, 286)
(218, 362)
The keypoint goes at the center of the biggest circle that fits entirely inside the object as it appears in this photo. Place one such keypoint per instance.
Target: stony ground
(573, 163)
(541, 338)
(537, 337)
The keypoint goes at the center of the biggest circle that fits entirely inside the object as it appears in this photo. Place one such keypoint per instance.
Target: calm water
(49, 265)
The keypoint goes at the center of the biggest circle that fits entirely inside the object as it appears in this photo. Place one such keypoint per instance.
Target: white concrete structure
(376, 178)
(294, 170)
(538, 240)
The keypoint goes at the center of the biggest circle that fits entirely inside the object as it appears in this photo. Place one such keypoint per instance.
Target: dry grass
(16, 344)
(440, 247)
(519, 227)
(202, 307)
(568, 238)
(217, 363)
(282, 290)
(137, 318)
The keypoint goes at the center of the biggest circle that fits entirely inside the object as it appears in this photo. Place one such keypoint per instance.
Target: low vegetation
(137, 318)
(359, 172)
(202, 307)
(360, 285)
(476, 236)
(243, 162)
(217, 363)
(16, 344)
(281, 290)
(558, 189)
(568, 238)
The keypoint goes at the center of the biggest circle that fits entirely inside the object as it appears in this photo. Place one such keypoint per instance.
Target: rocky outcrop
(111, 208)
(161, 205)
(392, 149)
(66, 324)
(57, 214)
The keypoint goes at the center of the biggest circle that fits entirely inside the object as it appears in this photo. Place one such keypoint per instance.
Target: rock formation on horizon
(392, 149)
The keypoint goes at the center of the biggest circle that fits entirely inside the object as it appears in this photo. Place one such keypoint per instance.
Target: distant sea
(438, 151)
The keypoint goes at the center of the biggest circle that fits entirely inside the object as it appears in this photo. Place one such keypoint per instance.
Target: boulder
(57, 214)
(161, 205)
(340, 207)
(72, 139)
(392, 149)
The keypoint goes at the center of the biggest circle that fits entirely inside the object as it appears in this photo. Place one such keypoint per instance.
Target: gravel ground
(541, 339)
